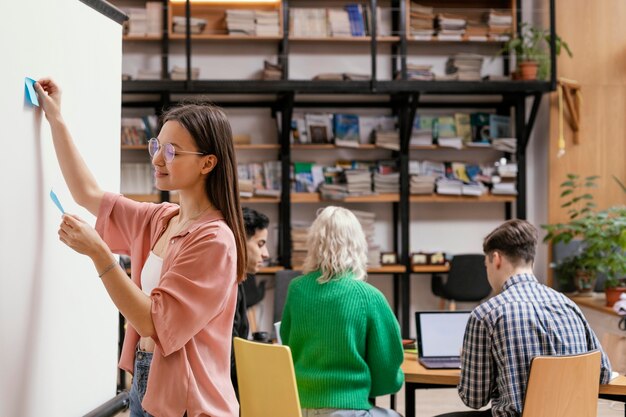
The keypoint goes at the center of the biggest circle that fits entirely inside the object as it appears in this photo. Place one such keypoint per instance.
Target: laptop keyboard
(441, 363)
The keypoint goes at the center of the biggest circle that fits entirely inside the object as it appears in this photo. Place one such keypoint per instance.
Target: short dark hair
(516, 239)
(254, 221)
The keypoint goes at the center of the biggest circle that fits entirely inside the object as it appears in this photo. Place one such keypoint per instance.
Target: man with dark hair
(249, 293)
(526, 319)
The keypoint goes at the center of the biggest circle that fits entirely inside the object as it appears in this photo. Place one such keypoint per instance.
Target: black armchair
(467, 281)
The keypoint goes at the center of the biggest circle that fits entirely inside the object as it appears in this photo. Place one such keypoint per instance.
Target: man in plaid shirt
(526, 319)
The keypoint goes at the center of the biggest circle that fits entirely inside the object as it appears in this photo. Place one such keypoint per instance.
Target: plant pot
(528, 70)
(585, 282)
(613, 294)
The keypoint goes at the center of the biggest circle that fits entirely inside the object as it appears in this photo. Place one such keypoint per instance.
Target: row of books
(342, 129)
(428, 23)
(352, 20)
(177, 73)
(463, 129)
(144, 21)
(300, 230)
(138, 130)
(346, 178)
(461, 178)
(137, 178)
(259, 179)
(459, 67)
(252, 22)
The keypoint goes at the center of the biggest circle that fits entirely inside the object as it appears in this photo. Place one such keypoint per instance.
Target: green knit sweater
(345, 342)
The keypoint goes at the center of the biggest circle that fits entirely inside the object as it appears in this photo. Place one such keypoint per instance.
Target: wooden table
(418, 377)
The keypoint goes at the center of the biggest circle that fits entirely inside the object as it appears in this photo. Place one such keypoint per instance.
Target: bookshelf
(401, 96)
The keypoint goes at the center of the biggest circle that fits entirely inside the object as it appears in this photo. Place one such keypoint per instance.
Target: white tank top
(151, 273)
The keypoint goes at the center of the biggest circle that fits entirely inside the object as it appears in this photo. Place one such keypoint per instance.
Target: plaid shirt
(503, 334)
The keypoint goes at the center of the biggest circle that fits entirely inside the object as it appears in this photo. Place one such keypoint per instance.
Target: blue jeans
(140, 383)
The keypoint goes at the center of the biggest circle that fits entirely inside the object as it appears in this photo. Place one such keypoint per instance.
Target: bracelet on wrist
(107, 269)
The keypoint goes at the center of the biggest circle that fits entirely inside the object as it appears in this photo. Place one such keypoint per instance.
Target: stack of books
(419, 72)
(144, 21)
(476, 30)
(422, 184)
(466, 66)
(449, 186)
(240, 22)
(387, 177)
(180, 73)
(505, 180)
(387, 139)
(146, 74)
(267, 23)
(422, 22)
(264, 177)
(359, 181)
(299, 234)
(450, 27)
(500, 25)
(504, 144)
(196, 24)
(367, 220)
(246, 188)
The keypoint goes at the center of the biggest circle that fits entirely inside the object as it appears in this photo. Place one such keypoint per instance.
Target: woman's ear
(210, 162)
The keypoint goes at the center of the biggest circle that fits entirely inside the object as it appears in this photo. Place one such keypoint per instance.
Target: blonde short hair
(337, 245)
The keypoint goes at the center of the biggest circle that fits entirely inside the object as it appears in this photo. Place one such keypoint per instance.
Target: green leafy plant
(532, 44)
(603, 233)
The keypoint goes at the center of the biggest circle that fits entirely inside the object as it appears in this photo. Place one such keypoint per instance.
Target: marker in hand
(56, 201)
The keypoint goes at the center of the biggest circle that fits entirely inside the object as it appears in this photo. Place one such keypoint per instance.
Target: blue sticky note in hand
(30, 91)
(56, 201)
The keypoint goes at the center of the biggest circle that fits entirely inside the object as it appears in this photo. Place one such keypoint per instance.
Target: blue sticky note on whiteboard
(56, 201)
(31, 94)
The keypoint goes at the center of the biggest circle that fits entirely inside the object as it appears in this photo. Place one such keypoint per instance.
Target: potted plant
(602, 234)
(530, 50)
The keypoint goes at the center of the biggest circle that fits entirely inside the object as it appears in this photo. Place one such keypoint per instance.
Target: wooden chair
(267, 381)
(563, 386)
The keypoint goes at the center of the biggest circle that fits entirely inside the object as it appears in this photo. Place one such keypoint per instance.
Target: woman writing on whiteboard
(186, 259)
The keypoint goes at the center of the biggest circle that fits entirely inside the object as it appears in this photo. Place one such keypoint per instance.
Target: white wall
(58, 327)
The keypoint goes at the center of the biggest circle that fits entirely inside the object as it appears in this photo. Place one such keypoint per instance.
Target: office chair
(563, 386)
(283, 279)
(267, 380)
(467, 281)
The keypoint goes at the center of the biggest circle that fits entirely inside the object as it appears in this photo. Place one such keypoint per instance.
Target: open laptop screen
(440, 333)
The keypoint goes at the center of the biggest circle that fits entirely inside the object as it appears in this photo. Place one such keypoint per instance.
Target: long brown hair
(209, 127)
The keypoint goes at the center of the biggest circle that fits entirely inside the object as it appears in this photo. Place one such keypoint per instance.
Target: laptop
(440, 338)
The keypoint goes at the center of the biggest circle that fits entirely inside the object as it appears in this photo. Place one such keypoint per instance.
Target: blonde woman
(343, 336)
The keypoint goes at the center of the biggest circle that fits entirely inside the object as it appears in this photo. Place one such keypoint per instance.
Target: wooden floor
(437, 401)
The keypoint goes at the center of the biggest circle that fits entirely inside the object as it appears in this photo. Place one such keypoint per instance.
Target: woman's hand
(49, 95)
(81, 237)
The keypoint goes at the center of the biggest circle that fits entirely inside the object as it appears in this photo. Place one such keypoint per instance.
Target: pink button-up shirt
(192, 307)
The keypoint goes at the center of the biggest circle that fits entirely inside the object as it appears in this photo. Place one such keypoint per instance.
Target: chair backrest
(467, 279)
(267, 381)
(283, 279)
(563, 386)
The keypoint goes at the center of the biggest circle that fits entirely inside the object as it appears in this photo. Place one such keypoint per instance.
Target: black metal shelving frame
(404, 97)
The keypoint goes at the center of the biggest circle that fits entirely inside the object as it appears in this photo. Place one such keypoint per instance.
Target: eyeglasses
(169, 152)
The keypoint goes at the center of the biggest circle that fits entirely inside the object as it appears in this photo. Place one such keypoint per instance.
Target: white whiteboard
(58, 327)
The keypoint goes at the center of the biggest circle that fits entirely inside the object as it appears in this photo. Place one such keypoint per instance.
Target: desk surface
(415, 373)
(596, 302)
